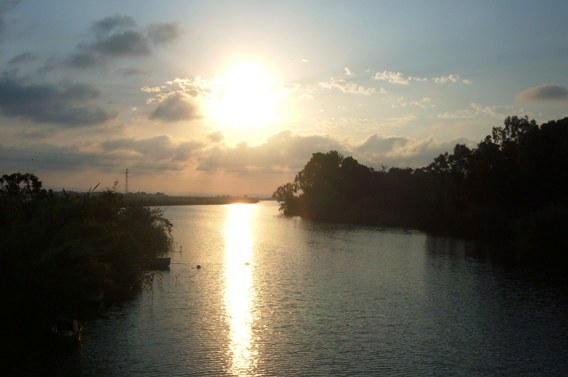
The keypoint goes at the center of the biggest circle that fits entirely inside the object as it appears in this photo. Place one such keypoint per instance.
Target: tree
(23, 185)
(285, 195)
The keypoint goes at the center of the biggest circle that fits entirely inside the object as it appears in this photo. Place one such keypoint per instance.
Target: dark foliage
(511, 189)
(60, 252)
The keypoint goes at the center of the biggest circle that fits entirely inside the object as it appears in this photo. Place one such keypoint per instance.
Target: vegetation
(511, 189)
(160, 199)
(60, 252)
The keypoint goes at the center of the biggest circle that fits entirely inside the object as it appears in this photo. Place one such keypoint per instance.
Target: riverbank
(167, 200)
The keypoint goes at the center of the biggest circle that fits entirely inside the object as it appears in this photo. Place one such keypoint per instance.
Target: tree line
(61, 251)
(510, 189)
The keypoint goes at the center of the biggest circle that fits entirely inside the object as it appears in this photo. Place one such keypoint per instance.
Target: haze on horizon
(223, 97)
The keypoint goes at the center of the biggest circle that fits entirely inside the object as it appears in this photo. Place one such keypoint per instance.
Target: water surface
(281, 296)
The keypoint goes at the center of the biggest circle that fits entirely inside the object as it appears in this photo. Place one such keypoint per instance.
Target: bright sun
(245, 97)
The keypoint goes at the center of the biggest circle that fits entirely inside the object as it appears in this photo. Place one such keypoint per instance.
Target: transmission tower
(126, 182)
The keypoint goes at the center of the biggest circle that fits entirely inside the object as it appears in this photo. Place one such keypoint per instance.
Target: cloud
(174, 107)
(159, 148)
(423, 103)
(66, 105)
(127, 72)
(281, 153)
(348, 87)
(26, 57)
(549, 92)
(450, 79)
(5, 7)
(216, 137)
(475, 110)
(104, 27)
(163, 33)
(396, 78)
(399, 78)
(48, 157)
(179, 99)
(155, 155)
(400, 151)
(286, 153)
(119, 36)
(127, 43)
(83, 59)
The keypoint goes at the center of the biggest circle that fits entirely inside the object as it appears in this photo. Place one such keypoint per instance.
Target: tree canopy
(511, 187)
(58, 250)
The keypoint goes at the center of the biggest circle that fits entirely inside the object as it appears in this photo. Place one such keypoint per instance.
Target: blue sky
(233, 97)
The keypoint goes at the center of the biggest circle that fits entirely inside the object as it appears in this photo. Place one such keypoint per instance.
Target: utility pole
(126, 182)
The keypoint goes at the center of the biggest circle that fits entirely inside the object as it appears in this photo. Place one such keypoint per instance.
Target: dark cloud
(126, 72)
(155, 148)
(116, 23)
(64, 105)
(49, 157)
(550, 92)
(5, 7)
(127, 43)
(26, 57)
(155, 155)
(159, 151)
(175, 107)
(37, 134)
(83, 60)
(163, 33)
(119, 37)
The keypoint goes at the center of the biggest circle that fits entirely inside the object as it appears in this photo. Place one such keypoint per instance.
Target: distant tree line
(59, 252)
(511, 188)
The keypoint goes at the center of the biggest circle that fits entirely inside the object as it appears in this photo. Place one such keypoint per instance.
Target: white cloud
(475, 110)
(423, 103)
(451, 79)
(400, 78)
(147, 89)
(392, 77)
(396, 78)
(347, 87)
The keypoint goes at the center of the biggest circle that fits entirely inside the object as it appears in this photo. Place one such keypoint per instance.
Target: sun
(245, 96)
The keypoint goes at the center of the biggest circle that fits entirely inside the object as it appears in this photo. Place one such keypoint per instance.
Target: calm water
(284, 297)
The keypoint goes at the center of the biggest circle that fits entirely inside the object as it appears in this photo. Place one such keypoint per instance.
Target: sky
(234, 97)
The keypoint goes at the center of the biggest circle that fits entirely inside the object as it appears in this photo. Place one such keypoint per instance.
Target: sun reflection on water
(239, 289)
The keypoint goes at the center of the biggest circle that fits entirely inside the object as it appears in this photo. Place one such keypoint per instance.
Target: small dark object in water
(67, 330)
(247, 263)
(198, 267)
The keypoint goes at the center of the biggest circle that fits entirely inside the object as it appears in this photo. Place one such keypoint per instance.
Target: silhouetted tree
(493, 191)
(58, 250)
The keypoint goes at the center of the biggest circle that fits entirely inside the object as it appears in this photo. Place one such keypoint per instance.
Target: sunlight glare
(239, 289)
(245, 96)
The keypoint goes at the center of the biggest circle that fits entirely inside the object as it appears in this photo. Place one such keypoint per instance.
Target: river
(280, 296)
